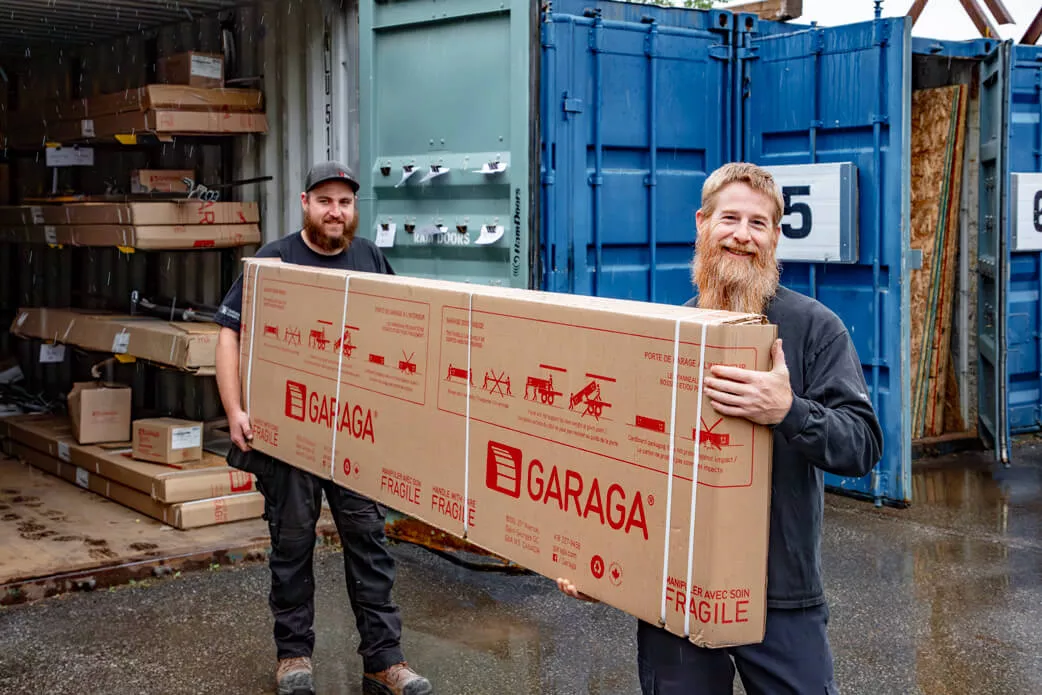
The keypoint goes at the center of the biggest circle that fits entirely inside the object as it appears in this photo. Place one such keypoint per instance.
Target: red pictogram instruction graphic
(497, 383)
(271, 330)
(460, 373)
(292, 336)
(296, 398)
(407, 365)
(344, 343)
(543, 388)
(503, 465)
(712, 439)
(317, 338)
(651, 424)
(376, 359)
(590, 395)
(597, 566)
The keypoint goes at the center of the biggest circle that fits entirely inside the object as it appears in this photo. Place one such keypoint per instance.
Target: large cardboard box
(53, 436)
(193, 68)
(188, 346)
(162, 96)
(182, 515)
(100, 412)
(554, 430)
(167, 440)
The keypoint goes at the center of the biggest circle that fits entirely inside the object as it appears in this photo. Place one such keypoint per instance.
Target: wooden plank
(938, 125)
(1034, 30)
(48, 527)
(776, 10)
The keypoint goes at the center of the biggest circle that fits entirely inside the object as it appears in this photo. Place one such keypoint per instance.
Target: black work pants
(793, 659)
(292, 505)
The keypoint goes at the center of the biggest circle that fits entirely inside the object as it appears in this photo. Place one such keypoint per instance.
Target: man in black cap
(293, 497)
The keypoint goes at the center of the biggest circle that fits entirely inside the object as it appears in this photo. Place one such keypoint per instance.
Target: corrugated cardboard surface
(100, 412)
(163, 96)
(167, 440)
(183, 515)
(543, 427)
(162, 180)
(193, 68)
(184, 345)
(53, 436)
(186, 212)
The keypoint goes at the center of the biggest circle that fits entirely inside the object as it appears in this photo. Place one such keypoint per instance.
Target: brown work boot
(293, 676)
(397, 680)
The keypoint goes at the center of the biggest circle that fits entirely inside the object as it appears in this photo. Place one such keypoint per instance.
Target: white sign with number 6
(820, 219)
(1027, 212)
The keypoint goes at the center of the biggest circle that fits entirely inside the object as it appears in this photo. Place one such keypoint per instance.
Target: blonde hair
(757, 178)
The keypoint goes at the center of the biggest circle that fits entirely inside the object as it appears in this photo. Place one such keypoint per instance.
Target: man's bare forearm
(229, 384)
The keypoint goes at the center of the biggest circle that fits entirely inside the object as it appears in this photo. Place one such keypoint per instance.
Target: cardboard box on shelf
(192, 68)
(100, 412)
(557, 431)
(160, 180)
(167, 440)
(188, 346)
(163, 96)
(158, 237)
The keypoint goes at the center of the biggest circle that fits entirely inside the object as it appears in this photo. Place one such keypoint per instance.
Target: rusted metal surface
(1034, 30)
(409, 530)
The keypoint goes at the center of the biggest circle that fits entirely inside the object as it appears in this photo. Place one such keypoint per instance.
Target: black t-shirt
(361, 255)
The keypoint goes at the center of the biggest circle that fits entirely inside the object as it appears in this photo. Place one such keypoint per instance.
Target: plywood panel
(938, 141)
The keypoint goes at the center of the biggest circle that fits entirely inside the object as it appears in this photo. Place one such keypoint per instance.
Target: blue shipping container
(627, 109)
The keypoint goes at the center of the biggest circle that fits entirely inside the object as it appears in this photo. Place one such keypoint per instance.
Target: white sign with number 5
(820, 220)
(1027, 212)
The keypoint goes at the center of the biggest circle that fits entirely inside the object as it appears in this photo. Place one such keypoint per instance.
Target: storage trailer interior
(136, 171)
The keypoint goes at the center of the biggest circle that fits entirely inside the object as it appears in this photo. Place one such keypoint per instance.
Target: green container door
(447, 124)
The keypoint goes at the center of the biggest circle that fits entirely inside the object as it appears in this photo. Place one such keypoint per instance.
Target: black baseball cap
(330, 171)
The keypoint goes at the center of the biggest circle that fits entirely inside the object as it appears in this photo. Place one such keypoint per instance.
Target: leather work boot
(293, 677)
(397, 680)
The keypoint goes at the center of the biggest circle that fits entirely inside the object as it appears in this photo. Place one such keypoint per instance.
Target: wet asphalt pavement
(943, 598)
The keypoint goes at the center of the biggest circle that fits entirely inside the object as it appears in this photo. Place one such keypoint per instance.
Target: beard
(314, 232)
(727, 283)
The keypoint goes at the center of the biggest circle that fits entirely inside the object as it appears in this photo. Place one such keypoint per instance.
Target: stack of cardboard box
(162, 473)
(183, 224)
(192, 101)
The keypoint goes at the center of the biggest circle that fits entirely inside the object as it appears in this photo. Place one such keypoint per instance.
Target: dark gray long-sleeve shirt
(831, 427)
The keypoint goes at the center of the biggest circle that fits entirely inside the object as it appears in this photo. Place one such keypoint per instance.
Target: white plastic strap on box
(694, 483)
(252, 286)
(669, 477)
(466, 440)
(339, 367)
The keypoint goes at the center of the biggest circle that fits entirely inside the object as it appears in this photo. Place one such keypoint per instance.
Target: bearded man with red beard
(293, 497)
(815, 400)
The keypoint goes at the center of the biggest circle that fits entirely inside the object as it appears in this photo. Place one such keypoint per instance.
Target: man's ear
(303, 201)
(700, 219)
